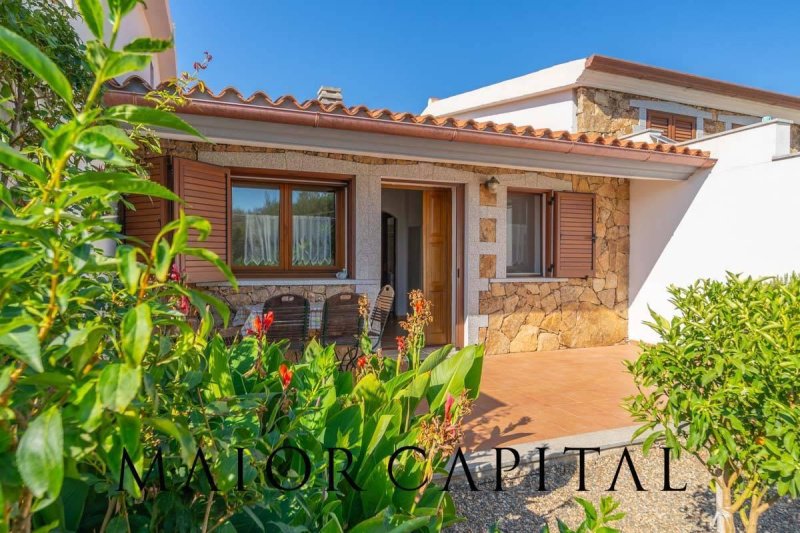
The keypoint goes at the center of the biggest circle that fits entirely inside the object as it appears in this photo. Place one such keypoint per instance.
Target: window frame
(287, 182)
(651, 113)
(548, 226)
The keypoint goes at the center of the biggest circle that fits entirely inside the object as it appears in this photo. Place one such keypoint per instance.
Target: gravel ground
(521, 508)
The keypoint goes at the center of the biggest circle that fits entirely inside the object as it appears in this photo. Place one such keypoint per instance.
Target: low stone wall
(250, 295)
(578, 313)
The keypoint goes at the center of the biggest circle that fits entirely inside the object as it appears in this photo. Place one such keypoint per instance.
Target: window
(676, 127)
(288, 227)
(525, 233)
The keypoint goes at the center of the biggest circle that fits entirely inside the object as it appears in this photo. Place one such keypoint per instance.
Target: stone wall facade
(568, 313)
(509, 314)
(610, 113)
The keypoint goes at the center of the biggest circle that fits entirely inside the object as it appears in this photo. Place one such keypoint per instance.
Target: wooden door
(437, 262)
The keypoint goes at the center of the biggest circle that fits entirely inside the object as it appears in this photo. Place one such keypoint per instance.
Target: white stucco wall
(134, 25)
(741, 216)
(555, 111)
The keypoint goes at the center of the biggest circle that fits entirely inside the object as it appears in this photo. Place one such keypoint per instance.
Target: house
(610, 96)
(556, 231)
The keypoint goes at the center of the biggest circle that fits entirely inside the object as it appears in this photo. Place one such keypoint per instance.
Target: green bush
(595, 520)
(722, 384)
(106, 360)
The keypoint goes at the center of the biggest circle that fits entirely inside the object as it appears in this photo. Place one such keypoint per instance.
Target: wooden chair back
(380, 314)
(291, 318)
(341, 323)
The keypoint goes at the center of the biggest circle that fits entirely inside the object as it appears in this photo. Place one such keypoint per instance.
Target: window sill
(528, 279)
(260, 282)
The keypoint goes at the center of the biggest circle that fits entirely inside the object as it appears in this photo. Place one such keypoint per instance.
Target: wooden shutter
(683, 129)
(677, 127)
(206, 191)
(659, 122)
(574, 234)
(149, 214)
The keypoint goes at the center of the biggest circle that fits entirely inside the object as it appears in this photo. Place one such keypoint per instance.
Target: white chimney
(329, 95)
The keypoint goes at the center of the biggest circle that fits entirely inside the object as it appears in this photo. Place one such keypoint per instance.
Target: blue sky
(397, 54)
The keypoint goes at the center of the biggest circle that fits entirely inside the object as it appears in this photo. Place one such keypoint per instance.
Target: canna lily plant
(119, 414)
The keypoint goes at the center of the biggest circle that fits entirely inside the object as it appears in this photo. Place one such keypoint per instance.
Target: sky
(397, 54)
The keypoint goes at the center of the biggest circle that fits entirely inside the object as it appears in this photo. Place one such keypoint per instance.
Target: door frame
(458, 231)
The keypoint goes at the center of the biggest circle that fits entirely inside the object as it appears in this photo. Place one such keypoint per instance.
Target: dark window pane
(255, 226)
(524, 234)
(313, 228)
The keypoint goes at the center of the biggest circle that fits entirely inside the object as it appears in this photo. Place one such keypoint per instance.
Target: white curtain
(312, 243)
(261, 239)
(518, 236)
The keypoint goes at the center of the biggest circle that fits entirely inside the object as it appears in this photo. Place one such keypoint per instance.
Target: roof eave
(630, 69)
(318, 119)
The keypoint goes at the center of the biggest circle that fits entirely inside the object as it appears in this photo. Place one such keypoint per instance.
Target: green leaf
(19, 334)
(455, 374)
(14, 159)
(92, 13)
(121, 182)
(129, 270)
(163, 261)
(137, 327)
(435, 358)
(115, 135)
(98, 146)
(588, 509)
(562, 527)
(120, 8)
(33, 59)
(40, 455)
(119, 63)
(648, 442)
(178, 432)
(146, 45)
(221, 384)
(151, 117)
(214, 259)
(118, 385)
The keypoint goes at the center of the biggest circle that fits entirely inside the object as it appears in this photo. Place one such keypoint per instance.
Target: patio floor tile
(534, 396)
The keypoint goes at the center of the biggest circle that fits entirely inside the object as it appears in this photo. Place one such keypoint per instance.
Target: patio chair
(291, 319)
(380, 315)
(341, 324)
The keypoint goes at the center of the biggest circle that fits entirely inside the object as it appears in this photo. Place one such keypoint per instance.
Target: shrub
(101, 366)
(25, 98)
(595, 520)
(722, 385)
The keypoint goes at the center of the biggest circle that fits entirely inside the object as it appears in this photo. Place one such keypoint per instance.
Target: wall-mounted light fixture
(492, 184)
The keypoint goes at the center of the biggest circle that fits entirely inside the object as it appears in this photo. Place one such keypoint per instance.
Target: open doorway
(416, 253)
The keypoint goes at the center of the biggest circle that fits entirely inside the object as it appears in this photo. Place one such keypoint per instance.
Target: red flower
(418, 306)
(261, 325)
(362, 361)
(175, 273)
(286, 376)
(183, 305)
(269, 318)
(401, 344)
(448, 406)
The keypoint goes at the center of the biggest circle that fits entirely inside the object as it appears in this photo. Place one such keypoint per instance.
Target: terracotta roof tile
(231, 95)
